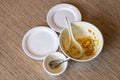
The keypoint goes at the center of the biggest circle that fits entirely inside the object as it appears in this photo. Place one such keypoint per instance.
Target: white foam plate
(39, 42)
(56, 16)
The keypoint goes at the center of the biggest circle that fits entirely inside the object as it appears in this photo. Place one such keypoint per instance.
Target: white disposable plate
(39, 42)
(56, 16)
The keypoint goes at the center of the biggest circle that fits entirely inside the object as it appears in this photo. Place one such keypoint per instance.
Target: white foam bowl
(81, 31)
(54, 56)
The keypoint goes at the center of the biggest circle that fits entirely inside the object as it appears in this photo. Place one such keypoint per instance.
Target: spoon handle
(69, 27)
(65, 60)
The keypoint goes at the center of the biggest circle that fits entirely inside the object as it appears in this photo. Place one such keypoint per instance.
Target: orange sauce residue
(57, 69)
(87, 44)
(90, 30)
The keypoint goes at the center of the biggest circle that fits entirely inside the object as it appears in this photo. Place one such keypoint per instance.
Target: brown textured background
(18, 16)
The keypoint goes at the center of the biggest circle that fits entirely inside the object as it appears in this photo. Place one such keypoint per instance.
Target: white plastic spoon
(75, 49)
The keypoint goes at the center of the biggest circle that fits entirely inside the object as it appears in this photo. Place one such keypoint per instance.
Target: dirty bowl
(58, 70)
(80, 30)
